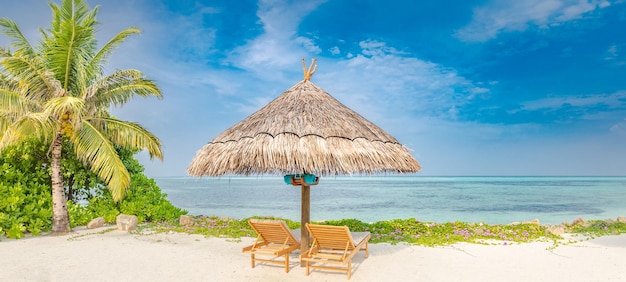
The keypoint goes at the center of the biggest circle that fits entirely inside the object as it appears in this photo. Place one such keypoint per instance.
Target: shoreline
(106, 254)
(492, 200)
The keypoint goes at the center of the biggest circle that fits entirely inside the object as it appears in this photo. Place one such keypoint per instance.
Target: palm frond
(38, 125)
(4, 53)
(10, 98)
(41, 82)
(63, 105)
(103, 54)
(15, 98)
(10, 29)
(119, 87)
(72, 43)
(129, 135)
(94, 148)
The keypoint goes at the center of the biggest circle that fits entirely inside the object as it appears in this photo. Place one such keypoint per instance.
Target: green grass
(409, 231)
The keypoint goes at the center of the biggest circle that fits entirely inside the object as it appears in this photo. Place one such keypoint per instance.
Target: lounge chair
(334, 245)
(274, 239)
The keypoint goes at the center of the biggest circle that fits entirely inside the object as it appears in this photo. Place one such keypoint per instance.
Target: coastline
(492, 199)
(106, 254)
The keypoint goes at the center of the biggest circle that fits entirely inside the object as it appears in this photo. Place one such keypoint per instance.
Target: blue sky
(490, 87)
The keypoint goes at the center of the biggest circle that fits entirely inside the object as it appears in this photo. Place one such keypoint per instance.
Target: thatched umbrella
(304, 131)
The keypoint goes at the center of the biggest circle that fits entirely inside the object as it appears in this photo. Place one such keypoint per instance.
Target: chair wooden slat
(274, 239)
(333, 245)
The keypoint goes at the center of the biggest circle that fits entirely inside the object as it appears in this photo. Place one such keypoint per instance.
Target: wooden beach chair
(333, 248)
(274, 239)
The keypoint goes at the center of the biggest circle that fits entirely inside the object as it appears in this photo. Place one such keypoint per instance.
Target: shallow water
(496, 200)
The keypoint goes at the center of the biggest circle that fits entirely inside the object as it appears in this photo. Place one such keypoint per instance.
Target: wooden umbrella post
(304, 219)
(305, 181)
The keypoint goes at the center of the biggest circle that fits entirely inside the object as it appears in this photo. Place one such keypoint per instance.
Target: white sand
(93, 255)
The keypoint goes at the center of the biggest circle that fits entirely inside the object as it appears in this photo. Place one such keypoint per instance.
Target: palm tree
(58, 92)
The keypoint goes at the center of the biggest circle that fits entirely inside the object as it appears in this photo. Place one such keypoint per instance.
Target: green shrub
(26, 201)
(24, 209)
(354, 225)
(79, 215)
(103, 206)
(145, 200)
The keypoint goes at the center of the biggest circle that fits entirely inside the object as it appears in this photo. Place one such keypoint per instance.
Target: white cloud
(612, 52)
(573, 10)
(509, 16)
(381, 81)
(619, 128)
(377, 48)
(612, 100)
(308, 45)
(279, 44)
(335, 50)
(613, 55)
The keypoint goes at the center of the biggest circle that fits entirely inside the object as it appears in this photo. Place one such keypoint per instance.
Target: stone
(126, 222)
(534, 221)
(579, 220)
(185, 220)
(95, 223)
(556, 229)
(621, 219)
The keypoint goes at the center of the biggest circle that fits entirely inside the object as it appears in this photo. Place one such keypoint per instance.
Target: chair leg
(349, 269)
(286, 263)
(252, 259)
(307, 268)
(367, 249)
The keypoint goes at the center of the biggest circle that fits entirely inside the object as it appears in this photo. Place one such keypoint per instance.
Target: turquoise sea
(496, 200)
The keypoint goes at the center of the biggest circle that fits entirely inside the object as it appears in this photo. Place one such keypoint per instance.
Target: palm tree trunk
(70, 188)
(60, 217)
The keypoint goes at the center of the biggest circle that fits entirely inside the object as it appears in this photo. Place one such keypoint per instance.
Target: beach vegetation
(415, 232)
(144, 199)
(214, 226)
(596, 228)
(394, 231)
(25, 199)
(57, 92)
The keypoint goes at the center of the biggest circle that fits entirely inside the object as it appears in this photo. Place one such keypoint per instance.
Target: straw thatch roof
(304, 130)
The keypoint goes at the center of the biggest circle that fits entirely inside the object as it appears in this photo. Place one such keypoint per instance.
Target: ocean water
(495, 200)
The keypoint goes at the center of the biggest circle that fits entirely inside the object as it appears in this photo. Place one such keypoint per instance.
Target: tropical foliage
(57, 91)
(25, 200)
(144, 199)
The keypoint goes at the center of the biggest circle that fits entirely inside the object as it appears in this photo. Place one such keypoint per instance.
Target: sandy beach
(104, 254)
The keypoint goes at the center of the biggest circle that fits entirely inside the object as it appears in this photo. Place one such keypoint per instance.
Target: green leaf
(35, 226)
(16, 231)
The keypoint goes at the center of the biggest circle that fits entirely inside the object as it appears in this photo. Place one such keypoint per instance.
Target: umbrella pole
(304, 219)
